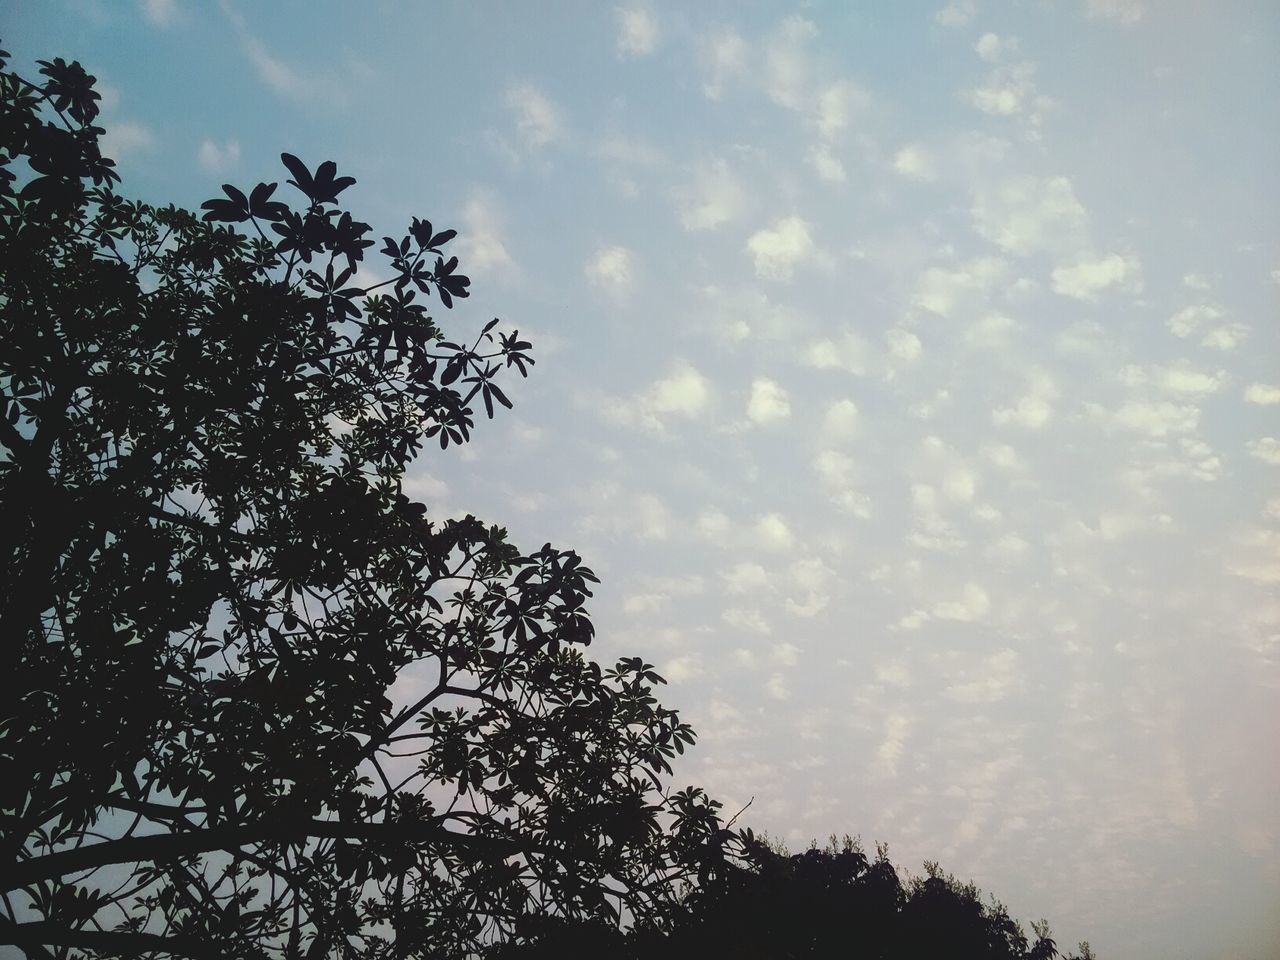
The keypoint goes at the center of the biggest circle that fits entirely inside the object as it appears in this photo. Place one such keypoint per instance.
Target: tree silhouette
(212, 579)
(824, 904)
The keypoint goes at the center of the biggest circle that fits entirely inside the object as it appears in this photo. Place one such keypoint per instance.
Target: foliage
(213, 580)
(833, 902)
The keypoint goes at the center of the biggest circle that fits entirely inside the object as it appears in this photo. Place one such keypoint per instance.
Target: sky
(909, 373)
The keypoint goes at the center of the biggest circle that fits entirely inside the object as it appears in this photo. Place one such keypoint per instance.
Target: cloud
(840, 420)
(893, 741)
(992, 332)
(772, 532)
(1025, 215)
(991, 47)
(847, 352)
(610, 268)
(777, 250)
(1126, 12)
(776, 688)
(745, 577)
(956, 13)
(1193, 318)
(940, 290)
(725, 56)
(684, 393)
(915, 163)
(638, 32)
(683, 668)
(903, 345)
(1151, 418)
(283, 79)
(1263, 394)
(836, 103)
(123, 139)
(1009, 90)
(481, 243)
(1267, 449)
(1179, 379)
(994, 679)
(218, 159)
(751, 620)
(1034, 408)
(827, 165)
(539, 122)
(716, 196)
(160, 12)
(972, 604)
(1004, 457)
(786, 75)
(836, 472)
(768, 402)
(1087, 276)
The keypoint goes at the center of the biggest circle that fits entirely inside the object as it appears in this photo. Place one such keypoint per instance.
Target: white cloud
(1267, 449)
(994, 679)
(123, 139)
(835, 105)
(1263, 394)
(1005, 457)
(768, 402)
(1226, 337)
(638, 32)
(683, 393)
(915, 163)
(1121, 11)
(481, 244)
(785, 653)
(776, 688)
(840, 420)
(218, 159)
(956, 13)
(1009, 90)
(991, 47)
(903, 345)
(746, 620)
(1151, 418)
(896, 728)
(848, 352)
(539, 122)
(1089, 275)
(777, 250)
(1179, 380)
(160, 12)
(992, 332)
(836, 473)
(1026, 215)
(683, 668)
(1034, 408)
(827, 164)
(772, 532)
(1223, 336)
(893, 673)
(940, 290)
(745, 577)
(715, 197)
(726, 59)
(610, 268)
(787, 64)
(972, 604)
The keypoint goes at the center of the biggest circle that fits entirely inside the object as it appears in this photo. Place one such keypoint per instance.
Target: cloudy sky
(909, 372)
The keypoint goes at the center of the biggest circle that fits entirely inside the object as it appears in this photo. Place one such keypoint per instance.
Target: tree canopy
(213, 578)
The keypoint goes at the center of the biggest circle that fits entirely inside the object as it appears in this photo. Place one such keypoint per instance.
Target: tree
(831, 902)
(213, 578)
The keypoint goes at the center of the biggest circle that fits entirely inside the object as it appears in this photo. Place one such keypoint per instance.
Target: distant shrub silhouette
(824, 904)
